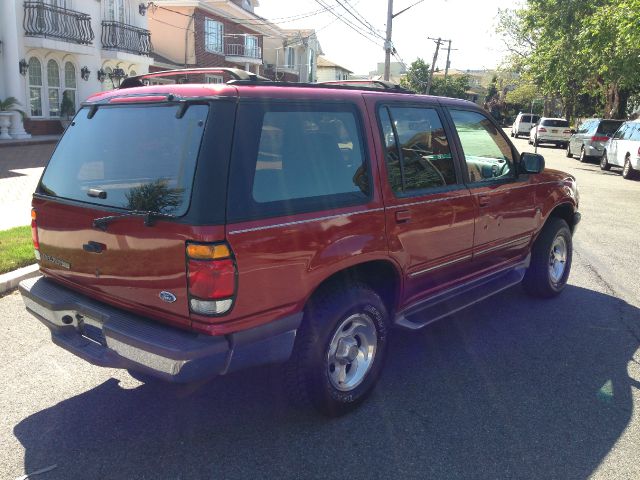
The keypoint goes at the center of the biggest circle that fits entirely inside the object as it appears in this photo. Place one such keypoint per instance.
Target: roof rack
(236, 73)
(369, 83)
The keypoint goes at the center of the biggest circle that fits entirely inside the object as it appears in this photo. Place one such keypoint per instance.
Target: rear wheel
(340, 349)
(627, 171)
(604, 162)
(583, 156)
(551, 257)
(569, 154)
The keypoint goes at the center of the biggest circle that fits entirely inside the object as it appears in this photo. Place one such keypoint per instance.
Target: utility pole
(387, 42)
(433, 64)
(446, 69)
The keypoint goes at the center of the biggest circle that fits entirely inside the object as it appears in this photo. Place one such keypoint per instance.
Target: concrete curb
(11, 280)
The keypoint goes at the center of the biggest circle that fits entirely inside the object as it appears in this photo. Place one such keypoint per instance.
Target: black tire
(583, 156)
(529, 141)
(535, 142)
(569, 154)
(604, 162)
(309, 368)
(627, 170)
(512, 135)
(538, 280)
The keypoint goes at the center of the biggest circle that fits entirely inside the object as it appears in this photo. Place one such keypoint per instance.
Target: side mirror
(531, 163)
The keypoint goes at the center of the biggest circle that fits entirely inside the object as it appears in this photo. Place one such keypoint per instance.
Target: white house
(55, 53)
(292, 56)
(328, 71)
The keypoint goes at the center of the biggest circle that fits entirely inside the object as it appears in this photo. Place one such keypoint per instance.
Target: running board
(458, 298)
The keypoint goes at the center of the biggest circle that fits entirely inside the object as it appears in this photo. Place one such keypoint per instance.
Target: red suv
(190, 230)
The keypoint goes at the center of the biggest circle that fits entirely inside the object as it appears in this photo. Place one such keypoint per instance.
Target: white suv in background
(623, 150)
(550, 130)
(523, 124)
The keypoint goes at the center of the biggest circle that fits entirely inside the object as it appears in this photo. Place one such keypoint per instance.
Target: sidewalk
(21, 164)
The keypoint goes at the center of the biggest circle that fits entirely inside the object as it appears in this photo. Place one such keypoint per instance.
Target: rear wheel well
(564, 211)
(379, 275)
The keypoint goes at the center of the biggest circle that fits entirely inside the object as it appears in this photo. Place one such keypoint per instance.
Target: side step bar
(458, 298)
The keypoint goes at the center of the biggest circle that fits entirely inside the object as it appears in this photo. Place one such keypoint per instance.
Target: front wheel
(604, 162)
(583, 156)
(569, 154)
(551, 257)
(340, 349)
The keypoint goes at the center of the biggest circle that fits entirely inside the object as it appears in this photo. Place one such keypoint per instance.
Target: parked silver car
(623, 150)
(588, 142)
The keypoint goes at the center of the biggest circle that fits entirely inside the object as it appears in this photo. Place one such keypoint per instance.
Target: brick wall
(205, 58)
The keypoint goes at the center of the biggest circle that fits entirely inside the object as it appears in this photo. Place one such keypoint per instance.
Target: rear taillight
(599, 139)
(566, 131)
(542, 129)
(34, 234)
(211, 274)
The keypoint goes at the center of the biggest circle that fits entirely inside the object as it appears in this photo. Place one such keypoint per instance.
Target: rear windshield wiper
(149, 218)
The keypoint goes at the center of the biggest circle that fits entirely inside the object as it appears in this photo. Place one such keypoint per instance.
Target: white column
(13, 81)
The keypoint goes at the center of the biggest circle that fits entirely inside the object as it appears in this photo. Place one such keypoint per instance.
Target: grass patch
(16, 248)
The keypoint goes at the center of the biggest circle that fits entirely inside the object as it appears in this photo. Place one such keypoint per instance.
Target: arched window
(35, 87)
(53, 87)
(69, 93)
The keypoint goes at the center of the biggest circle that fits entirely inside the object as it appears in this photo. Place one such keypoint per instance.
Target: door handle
(484, 200)
(403, 216)
(94, 247)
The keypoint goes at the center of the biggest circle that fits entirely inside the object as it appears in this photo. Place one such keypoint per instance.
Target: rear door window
(526, 119)
(133, 157)
(417, 153)
(293, 158)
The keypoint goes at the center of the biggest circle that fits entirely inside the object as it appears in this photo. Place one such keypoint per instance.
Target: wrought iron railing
(240, 50)
(44, 20)
(127, 38)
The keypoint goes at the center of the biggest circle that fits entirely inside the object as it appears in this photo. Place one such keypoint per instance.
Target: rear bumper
(110, 337)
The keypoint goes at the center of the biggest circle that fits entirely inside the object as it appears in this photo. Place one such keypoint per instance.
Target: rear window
(608, 127)
(555, 123)
(136, 157)
(526, 119)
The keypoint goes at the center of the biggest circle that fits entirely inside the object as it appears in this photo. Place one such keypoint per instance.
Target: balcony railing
(44, 20)
(240, 50)
(127, 38)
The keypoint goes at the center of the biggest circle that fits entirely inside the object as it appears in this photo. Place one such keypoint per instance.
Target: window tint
(635, 136)
(417, 151)
(487, 152)
(535, 118)
(141, 158)
(608, 127)
(555, 123)
(306, 154)
(620, 131)
(526, 119)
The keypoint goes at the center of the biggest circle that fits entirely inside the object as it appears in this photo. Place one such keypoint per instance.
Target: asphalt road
(511, 388)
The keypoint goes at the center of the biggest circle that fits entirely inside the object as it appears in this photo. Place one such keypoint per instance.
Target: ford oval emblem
(167, 297)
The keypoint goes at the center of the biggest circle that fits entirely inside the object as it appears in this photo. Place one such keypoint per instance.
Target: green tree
(417, 76)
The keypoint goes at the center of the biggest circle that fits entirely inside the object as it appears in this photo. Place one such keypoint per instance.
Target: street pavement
(20, 170)
(511, 388)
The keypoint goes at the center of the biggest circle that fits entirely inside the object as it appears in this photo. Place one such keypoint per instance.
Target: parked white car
(623, 150)
(523, 124)
(550, 130)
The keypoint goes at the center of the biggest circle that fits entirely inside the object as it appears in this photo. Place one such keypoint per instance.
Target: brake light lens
(542, 129)
(34, 234)
(567, 131)
(211, 275)
(599, 138)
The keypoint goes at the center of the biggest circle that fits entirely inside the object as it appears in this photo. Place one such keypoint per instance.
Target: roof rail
(236, 73)
(371, 83)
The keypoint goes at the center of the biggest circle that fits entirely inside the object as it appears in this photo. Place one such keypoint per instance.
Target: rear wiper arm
(149, 218)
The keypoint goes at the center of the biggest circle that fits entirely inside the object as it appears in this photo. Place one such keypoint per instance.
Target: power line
(348, 24)
(360, 19)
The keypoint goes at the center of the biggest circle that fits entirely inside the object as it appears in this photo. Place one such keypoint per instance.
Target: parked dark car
(256, 222)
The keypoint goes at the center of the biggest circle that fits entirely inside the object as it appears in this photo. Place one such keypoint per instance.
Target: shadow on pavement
(511, 388)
